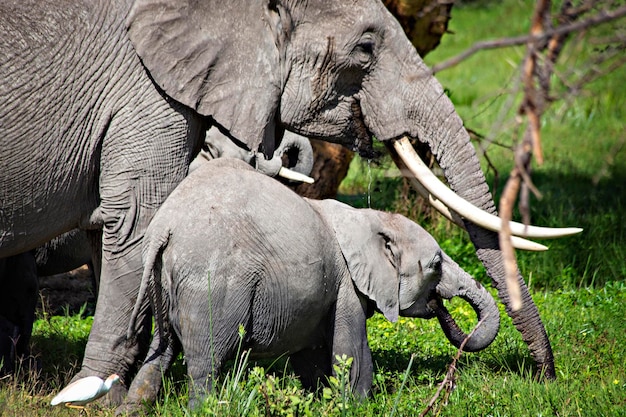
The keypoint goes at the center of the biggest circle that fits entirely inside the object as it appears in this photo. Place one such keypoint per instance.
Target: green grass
(578, 284)
(585, 326)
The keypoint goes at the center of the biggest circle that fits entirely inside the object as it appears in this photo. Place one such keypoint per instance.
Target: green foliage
(280, 397)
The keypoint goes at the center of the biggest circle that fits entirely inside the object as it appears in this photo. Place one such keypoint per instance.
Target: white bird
(83, 391)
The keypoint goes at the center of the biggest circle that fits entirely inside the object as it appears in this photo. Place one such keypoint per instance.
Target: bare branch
(448, 380)
(601, 17)
(506, 246)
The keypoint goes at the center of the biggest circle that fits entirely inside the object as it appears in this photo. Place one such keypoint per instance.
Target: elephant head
(336, 70)
(400, 267)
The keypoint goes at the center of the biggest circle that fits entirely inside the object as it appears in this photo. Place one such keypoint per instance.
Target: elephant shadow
(57, 357)
(594, 202)
(397, 361)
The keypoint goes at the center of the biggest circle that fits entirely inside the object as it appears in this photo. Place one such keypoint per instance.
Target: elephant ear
(366, 241)
(221, 58)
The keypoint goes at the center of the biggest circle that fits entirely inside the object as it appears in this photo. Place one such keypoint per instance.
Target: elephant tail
(151, 253)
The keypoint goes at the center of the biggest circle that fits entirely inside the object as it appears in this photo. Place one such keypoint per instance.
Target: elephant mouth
(433, 306)
(363, 143)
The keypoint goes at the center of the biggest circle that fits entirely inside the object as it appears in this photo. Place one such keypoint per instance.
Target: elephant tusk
(518, 242)
(463, 208)
(294, 175)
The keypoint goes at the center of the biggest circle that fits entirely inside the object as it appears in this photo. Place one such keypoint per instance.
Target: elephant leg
(18, 300)
(149, 380)
(205, 355)
(9, 333)
(201, 372)
(107, 350)
(135, 178)
(312, 366)
(206, 351)
(350, 339)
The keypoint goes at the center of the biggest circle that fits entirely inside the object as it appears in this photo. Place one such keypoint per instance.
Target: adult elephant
(292, 162)
(112, 98)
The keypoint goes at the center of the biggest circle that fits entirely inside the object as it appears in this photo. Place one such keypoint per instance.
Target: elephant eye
(363, 52)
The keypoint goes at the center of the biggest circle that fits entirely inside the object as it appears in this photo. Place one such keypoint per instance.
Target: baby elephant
(231, 247)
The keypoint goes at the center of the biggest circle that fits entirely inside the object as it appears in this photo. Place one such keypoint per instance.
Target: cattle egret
(84, 390)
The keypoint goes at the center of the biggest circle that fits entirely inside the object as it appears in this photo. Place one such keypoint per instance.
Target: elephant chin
(481, 337)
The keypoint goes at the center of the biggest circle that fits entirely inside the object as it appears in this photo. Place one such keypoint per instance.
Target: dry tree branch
(602, 17)
(532, 107)
(507, 201)
(543, 48)
(448, 380)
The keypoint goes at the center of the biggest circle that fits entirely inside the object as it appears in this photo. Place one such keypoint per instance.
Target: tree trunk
(424, 22)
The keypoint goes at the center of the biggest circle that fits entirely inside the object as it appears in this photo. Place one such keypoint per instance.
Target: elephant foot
(131, 409)
(143, 391)
(545, 372)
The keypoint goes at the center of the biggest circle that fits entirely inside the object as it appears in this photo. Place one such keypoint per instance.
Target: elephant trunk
(292, 160)
(415, 105)
(455, 154)
(296, 153)
(464, 286)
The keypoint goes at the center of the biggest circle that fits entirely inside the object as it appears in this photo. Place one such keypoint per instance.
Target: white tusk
(294, 176)
(525, 244)
(463, 208)
(518, 242)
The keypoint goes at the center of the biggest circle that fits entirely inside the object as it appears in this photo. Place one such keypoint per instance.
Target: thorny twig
(449, 380)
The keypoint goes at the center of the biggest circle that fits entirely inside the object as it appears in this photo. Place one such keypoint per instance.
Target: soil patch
(67, 293)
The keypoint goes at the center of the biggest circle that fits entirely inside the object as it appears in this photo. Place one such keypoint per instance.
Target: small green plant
(281, 397)
(339, 385)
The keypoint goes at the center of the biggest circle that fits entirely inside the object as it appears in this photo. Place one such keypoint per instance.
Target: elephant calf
(231, 247)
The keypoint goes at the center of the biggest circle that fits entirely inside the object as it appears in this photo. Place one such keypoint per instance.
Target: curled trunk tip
(482, 335)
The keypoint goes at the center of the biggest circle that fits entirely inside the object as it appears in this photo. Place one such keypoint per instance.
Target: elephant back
(226, 208)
